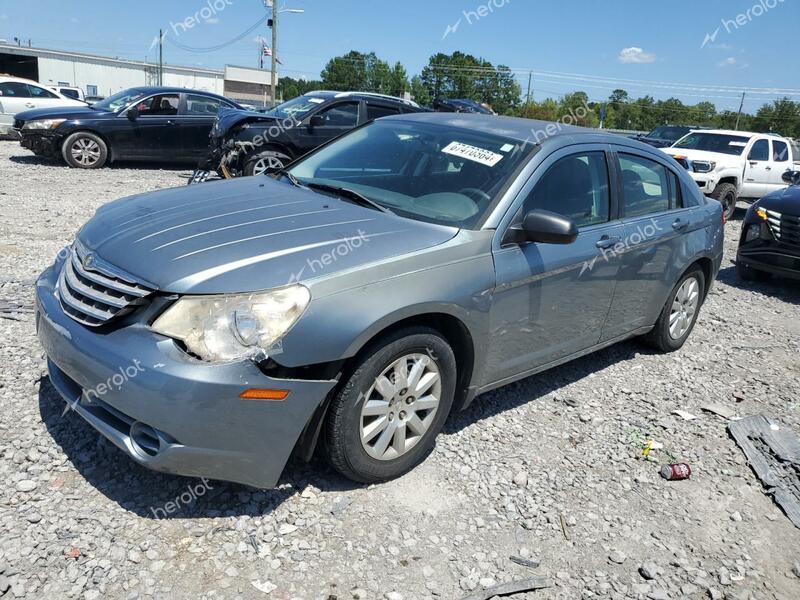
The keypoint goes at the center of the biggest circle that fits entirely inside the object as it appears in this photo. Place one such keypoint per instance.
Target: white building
(103, 76)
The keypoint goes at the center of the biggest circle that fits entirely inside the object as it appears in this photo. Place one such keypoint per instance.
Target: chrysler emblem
(88, 261)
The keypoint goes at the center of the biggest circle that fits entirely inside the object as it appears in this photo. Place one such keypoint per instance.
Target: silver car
(358, 298)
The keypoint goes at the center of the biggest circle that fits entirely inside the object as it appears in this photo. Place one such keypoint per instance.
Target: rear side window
(14, 89)
(759, 151)
(37, 92)
(780, 151)
(375, 111)
(648, 187)
(201, 105)
(577, 187)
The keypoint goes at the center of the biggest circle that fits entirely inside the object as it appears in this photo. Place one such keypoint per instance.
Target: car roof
(4, 77)
(330, 94)
(156, 89)
(516, 128)
(739, 133)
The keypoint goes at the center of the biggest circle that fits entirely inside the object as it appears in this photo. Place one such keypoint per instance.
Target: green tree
(357, 71)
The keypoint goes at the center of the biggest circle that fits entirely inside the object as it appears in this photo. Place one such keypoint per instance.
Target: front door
(757, 170)
(335, 120)
(155, 134)
(551, 301)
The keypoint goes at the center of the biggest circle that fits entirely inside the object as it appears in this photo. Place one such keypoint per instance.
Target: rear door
(781, 162)
(757, 169)
(155, 135)
(655, 247)
(197, 115)
(551, 301)
(338, 118)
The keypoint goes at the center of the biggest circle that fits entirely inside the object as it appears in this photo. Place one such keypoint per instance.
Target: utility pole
(161, 57)
(530, 79)
(739, 116)
(274, 78)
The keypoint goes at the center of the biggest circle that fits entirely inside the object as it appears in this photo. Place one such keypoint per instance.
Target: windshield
(433, 173)
(714, 142)
(668, 133)
(296, 108)
(119, 100)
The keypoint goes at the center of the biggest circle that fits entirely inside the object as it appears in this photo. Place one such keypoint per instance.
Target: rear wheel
(727, 195)
(384, 420)
(84, 150)
(266, 161)
(680, 313)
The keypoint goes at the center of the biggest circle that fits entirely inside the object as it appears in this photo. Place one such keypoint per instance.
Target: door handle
(606, 242)
(768, 168)
(679, 224)
(171, 122)
(30, 105)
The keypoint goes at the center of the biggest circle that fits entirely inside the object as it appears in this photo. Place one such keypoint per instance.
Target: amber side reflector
(256, 394)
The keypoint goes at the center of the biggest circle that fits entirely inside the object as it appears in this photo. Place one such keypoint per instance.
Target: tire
(747, 273)
(376, 458)
(84, 150)
(727, 195)
(664, 337)
(269, 159)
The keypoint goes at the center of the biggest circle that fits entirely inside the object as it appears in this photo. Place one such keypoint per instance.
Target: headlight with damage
(42, 124)
(233, 327)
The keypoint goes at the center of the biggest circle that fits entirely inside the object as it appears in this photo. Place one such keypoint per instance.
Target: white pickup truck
(733, 165)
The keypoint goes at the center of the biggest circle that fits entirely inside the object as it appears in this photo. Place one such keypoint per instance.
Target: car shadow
(537, 387)
(147, 166)
(782, 288)
(154, 495)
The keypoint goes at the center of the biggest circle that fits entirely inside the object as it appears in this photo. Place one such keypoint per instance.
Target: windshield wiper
(292, 179)
(350, 195)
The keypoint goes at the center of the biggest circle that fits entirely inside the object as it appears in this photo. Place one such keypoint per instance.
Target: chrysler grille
(93, 296)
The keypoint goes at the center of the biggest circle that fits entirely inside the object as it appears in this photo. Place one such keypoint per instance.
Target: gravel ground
(545, 469)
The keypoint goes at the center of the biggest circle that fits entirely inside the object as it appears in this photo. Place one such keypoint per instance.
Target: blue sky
(569, 44)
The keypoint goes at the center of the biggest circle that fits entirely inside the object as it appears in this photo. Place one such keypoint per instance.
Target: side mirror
(791, 177)
(316, 121)
(545, 227)
(133, 114)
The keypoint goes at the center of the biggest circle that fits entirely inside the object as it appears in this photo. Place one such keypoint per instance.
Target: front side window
(14, 89)
(780, 151)
(714, 142)
(424, 171)
(296, 108)
(37, 92)
(648, 187)
(575, 187)
(202, 105)
(163, 105)
(759, 151)
(341, 115)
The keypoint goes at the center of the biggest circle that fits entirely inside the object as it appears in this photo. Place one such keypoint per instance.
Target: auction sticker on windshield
(473, 153)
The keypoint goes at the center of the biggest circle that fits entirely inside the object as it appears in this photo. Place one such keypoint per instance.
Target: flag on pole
(268, 52)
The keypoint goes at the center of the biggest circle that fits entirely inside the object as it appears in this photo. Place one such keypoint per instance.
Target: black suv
(250, 143)
(770, 241)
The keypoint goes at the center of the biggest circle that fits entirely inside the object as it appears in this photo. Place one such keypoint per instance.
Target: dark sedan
(664, 136)
(143, 123)
(770, 242)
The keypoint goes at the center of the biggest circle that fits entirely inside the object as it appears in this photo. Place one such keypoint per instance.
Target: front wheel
(266, 161)
(680, 313)
(727, 195)
(384, 420)
(84, 150)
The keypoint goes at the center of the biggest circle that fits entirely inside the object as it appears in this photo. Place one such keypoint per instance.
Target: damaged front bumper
(41, 144)
(168, 411)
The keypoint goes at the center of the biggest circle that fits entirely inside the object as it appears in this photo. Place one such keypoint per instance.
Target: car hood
(61, 112)
(717, 157)
(244, 235)
(228, 118)
(786, 202)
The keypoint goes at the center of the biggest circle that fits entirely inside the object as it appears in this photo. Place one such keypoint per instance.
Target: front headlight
(703, 166)
(233, 327)
(42, 124)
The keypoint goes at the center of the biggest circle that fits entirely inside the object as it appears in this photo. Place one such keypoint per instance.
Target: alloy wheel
(262, 165)
(400, 406)
(85, 151)
(684, 308)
